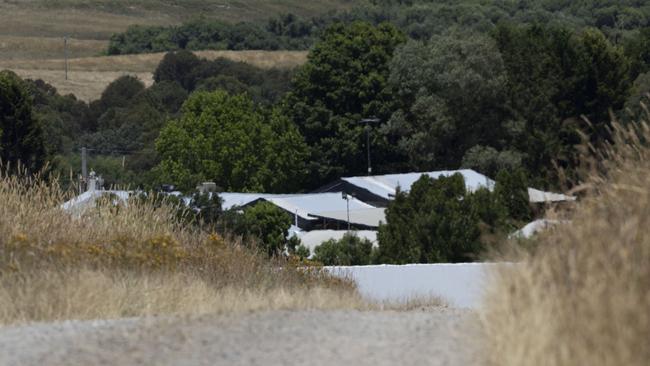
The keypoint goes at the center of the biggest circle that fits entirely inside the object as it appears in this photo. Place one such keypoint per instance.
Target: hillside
(33, 29)
(89, 76)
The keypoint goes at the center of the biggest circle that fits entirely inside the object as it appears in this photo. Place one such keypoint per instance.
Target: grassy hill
(34, 29)
(89, 76)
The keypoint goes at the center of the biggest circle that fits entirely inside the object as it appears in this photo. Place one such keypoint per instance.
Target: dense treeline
(418, 19)
(515, 98)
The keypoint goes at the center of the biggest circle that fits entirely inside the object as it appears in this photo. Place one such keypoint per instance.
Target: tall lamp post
(346, 197)
(367, 122)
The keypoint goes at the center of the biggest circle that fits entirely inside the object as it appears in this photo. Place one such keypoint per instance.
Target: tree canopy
(21, 135)
(343, 81)
(225, 139)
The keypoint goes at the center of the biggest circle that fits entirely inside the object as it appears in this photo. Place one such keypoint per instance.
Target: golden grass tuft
(136, 260)
(583, 296)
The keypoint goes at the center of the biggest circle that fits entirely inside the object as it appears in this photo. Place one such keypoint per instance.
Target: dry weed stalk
(133, 260)
(583, 297)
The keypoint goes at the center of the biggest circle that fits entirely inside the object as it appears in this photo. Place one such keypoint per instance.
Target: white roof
(314, 203)
(386, 185)
(232, 199)
(537, 196)
(534, 227)
(88, 198)
(312, 239)
(368, 216)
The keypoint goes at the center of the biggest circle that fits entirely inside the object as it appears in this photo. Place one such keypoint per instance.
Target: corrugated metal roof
(314, 203)
(536, 226)
(386, 185)
(367, 217)
(537, 196)
(88, 198)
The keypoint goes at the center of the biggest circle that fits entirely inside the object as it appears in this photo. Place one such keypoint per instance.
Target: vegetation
(585, 286)
(342, 82)
(506, 97)
(114, 260)
(350, 250)
(419, 19)
(227, 140)
(21, 136)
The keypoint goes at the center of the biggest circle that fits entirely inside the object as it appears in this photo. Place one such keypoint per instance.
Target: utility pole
(346, 197)
(65, 52)
(367, 122)
(84, 165)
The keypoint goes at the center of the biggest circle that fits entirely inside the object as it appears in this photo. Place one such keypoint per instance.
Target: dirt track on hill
(432, 337)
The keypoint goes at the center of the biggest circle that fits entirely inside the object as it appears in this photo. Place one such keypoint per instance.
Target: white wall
(459, 285)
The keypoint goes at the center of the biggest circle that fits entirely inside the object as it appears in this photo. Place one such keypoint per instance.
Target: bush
(348, 251)
(582, 297)
(269, 224)
(134, 260)
(434, 222)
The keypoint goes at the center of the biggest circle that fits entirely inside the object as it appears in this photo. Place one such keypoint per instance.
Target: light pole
(346, 197)
(367, 122)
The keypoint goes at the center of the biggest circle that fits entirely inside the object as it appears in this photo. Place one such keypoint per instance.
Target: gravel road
(438, 336)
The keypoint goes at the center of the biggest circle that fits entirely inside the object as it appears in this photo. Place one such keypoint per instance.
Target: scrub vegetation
(137, 259)
(582, 295)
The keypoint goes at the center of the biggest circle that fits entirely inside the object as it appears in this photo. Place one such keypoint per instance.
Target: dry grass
(583, 298)
(89, 76)
(134, 260)
(32, 49)
(32, 31)
(102, 294)
(85, 85)
(34, 28)
(149, 62)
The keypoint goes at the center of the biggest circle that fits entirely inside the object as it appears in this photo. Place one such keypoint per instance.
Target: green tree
(487, 160)
(601, 80)
(511, 190)
(227, 140)
(342, 82)
(269, 224)
(177, 66)
(21, 136)
(434, 222)
(451, 95)
(119, 93)
(351, 250)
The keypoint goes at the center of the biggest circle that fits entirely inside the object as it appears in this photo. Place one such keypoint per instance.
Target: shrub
(582, 297)
(134, 259)
(348, 251)
(434, 222)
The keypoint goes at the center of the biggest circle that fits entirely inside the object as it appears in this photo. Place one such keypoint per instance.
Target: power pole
(84, 165)
(65, 52)
(346, 197)
(367, 122)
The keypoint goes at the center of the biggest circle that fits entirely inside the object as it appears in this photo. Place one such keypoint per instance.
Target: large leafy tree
(226, 139)
(21, 135)
(554, 78)
(343, 81)
(451, 96)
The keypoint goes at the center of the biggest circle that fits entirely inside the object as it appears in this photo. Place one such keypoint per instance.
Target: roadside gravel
(438, 336)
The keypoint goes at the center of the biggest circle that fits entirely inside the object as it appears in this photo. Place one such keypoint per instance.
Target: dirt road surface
(438, 336)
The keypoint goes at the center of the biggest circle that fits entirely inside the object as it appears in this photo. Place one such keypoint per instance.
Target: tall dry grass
(583, 296)
(135, 260)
